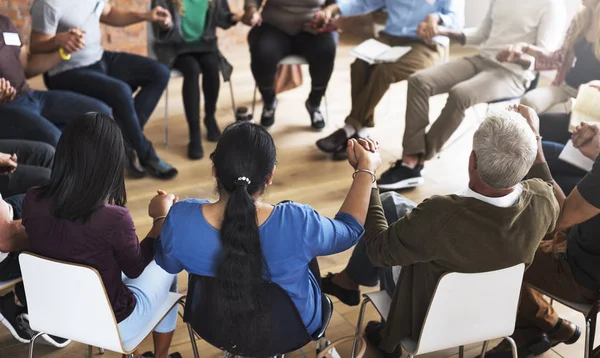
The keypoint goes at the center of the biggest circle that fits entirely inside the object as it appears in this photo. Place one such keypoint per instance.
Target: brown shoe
(334, 142)
(564, 332)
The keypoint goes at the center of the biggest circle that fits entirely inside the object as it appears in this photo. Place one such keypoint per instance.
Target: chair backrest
(471, 307)
(69, 301)
(288, 332)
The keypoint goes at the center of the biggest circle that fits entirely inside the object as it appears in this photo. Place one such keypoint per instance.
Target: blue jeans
(113, 80)
(150, 291)
(39, 115)
(566, 175)
(359, 268)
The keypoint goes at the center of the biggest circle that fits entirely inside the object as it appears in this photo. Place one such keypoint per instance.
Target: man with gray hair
(497, 222)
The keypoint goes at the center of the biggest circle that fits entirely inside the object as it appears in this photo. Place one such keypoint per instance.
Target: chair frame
(128, 353)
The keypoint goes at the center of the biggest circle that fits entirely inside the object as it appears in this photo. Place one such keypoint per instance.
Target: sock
(350, 130)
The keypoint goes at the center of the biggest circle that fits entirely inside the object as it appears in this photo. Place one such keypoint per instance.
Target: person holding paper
(112, 77)
(410, 24)
(577, 62)
(471, 80)
(34, 115)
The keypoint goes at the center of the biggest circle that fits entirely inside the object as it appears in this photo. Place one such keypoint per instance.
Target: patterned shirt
(562, 59)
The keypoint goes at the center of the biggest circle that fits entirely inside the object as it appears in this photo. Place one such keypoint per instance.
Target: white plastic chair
(466, 308)
(69, 300)
(291, 60)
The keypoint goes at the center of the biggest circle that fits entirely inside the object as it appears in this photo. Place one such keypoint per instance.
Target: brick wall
(133, 38)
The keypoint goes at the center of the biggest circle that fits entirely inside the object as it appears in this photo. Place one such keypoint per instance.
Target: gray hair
(506, 148)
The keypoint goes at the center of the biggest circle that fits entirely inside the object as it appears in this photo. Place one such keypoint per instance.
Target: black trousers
(191, 65)
(34, 161)
(9, 267)
(269, 45)
(554, 127)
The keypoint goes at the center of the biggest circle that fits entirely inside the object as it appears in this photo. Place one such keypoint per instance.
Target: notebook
(586, 108)
(573, 156)
(373, 52)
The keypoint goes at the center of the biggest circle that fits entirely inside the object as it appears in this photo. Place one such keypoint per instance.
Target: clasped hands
(363, 153)
(161, 203)
(8, 163)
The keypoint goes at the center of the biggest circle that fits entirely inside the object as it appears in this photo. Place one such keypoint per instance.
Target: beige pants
(467, 81)
(550, 99)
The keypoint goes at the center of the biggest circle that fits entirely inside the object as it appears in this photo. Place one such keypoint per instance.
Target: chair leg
(32, 342)
(90, 351)
(166, 139)
(513, 346)
(191, 332)
(484, 348)
(461, 352)
(593, 319)
(101, 351)
(361, 316)
(588, 329)
(254, 101)
(326, 110)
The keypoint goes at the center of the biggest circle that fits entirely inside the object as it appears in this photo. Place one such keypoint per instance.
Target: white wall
(475, 10)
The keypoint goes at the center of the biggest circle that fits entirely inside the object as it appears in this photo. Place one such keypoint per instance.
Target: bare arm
(13, 237)
(575, 210)
(119, 18)
(36, 64)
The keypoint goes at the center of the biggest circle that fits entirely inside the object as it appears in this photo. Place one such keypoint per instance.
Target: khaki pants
(467, 81)
(370, 82)
(555, 277)
(545, 98)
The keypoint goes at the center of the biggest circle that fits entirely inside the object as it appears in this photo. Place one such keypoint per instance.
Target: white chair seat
(169, 303)
(293, 60)
(7, 284)
(382, 301)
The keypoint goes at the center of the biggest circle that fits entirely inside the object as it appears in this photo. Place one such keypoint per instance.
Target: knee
(419, 82)
(528, 101)
(395, 206)
(102, 108)
(161, 74)
(460, 97)
(120, 96)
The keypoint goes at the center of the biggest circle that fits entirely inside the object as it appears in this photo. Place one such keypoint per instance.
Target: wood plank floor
(304, 175)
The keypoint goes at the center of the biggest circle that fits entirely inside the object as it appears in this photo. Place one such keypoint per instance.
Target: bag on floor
(288, 77)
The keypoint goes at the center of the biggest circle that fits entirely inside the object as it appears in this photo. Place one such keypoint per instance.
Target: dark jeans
(269, 45)
(34, 161)
(359, 268)
(554, 127)
(191, 66)
(113, 80)
(566, 175)
(39, 115)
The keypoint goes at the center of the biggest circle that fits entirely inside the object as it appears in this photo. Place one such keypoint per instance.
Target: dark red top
(106, 242)
(11, 67)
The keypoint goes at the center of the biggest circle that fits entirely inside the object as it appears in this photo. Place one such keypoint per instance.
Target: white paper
(370, 50)
(586, 108)
(573, 156)
(11, 39)
(393, 54)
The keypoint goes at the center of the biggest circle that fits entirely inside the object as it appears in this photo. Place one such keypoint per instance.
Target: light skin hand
(363, 154)
(252, 17)
(7, 91)
(529, 114)
(586, 138)
(429, 28)
(8, 161)
(161, 16)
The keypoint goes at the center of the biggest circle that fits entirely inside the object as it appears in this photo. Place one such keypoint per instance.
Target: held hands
(363, 154)
(161, 204)
(529, 114)
(8, 163)
(161, 16)
(512, 53)
(71, 41)
(252, 17)
(429, 28)
(7, 91)
(586, 138)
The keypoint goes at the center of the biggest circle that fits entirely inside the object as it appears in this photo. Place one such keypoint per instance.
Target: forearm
(540, 170)
(120, 18)
(40, 63)
(454, 35)
(40, 43)
(357, 200)
(15, 238)
(156, 228)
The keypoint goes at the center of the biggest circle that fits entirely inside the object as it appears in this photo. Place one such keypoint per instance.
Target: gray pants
(359, 268)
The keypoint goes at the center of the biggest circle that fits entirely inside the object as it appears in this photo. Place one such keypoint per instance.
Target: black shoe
(317, 121)
(399, 176)
(159, 169)
(9, 311)
(538, 346)
(195, 150)
(334, 142)
(373, 336)
(267, 119)
(213, 133)
(134, 170)
(348, 297)
(58, 342)
(151, 355)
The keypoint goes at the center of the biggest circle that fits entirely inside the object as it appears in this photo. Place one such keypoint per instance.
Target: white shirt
(537, 22)
(501, 202)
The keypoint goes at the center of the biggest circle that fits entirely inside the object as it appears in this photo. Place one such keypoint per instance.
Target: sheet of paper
(11, 39)
(573, 156)
(586, 108)
(370, 50)
(393, 54)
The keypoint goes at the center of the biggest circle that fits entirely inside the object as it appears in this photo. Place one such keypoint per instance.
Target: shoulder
(293, 209)
(187, 207)
(538, 186)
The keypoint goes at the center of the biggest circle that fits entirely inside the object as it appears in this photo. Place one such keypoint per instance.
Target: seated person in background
(238, 239)
(409, 24)
(29, 114)
(23, 165)
(577, 61)
(471, 80)
(281, 28)
(189, 44)
(111, 77)
(80, 217)
(496, 223)
(568, 265)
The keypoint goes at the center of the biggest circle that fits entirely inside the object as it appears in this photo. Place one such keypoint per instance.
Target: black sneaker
(213, 133)
(267, 119)
(134, 170)
(334, 142)
(9, 311)
(373, 336)
(317, 121)
(399, 176)
(159, 169)
(347, 297)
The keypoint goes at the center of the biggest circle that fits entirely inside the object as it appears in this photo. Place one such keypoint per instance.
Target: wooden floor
(303, 174)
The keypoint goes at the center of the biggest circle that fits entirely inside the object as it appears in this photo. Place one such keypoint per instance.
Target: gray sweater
(288, 15)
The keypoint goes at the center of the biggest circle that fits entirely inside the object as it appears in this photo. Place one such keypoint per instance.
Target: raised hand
(7, 91)
(364, 154)
(161, 16)
(161, 204)
(71, 41)
(529, 114)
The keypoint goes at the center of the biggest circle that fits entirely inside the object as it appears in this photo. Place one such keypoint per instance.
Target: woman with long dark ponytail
(243, 241)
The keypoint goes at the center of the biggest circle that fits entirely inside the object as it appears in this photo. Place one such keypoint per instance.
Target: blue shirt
(405, 15)
(291, 237)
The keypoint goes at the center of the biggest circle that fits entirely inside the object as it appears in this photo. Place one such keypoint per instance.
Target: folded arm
(36, 64)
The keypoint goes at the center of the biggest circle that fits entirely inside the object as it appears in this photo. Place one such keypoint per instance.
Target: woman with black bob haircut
(80, 217)
(243, 241)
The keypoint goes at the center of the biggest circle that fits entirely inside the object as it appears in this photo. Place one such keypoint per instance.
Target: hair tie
(242, 181)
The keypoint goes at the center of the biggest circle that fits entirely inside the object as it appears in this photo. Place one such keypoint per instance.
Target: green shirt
(193, 19)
